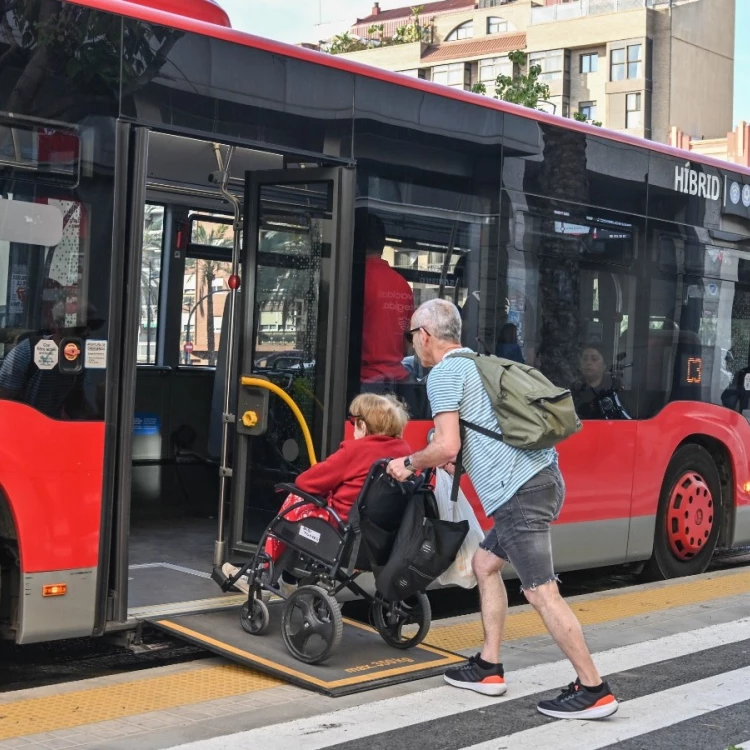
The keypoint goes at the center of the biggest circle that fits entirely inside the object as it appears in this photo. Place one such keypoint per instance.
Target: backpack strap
(458, 471)
(481, 430)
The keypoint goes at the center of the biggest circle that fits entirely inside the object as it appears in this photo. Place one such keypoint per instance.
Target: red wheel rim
(690, 516)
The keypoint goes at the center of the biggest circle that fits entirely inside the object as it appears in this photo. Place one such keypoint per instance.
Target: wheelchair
(328, 558)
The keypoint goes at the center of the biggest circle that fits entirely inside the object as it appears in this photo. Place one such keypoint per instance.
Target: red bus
(150, 153)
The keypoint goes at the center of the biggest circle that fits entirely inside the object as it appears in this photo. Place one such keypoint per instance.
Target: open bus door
(292, 328)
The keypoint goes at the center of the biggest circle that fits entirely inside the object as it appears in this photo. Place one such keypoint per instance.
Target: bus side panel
(597, 465)
(659, 438)
(56, 509)
(66, 475)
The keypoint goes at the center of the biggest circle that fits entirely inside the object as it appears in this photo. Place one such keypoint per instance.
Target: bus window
(204, 295)
(205, 288)
(47, 317)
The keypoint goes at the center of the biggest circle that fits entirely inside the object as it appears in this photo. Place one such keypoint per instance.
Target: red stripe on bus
(51, 474)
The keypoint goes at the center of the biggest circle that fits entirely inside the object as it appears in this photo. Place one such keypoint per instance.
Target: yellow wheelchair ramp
(362, 661)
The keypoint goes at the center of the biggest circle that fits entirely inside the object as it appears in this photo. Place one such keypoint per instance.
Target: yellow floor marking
(82, 707)
(468, 635)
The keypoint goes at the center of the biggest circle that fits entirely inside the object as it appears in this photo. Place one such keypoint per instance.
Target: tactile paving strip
(36, 715)
(467, 635)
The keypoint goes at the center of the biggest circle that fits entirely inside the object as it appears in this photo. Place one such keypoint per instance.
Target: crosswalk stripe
(380, 716)
(634, 718)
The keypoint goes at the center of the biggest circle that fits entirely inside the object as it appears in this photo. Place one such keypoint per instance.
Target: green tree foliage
(580, 117)
(524, 88)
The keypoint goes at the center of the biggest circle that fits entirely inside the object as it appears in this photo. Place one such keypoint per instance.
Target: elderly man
(522, 491)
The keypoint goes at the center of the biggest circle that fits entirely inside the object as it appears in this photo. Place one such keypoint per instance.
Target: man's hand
(398, 471)
(450, 467)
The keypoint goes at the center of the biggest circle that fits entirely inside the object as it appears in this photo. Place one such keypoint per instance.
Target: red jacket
(342, 475)
(388, 307)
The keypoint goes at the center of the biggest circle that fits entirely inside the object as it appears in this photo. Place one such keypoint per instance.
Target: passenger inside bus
(54, 393)
(388, 305)
(596, 393)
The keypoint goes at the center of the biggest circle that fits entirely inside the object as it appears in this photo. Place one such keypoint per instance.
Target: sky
(312, 20)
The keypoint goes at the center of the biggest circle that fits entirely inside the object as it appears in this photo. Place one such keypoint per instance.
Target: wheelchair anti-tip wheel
(255, 620)
(404, 625)
(312, 625)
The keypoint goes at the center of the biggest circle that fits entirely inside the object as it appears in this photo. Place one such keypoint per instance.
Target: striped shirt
(496, 470)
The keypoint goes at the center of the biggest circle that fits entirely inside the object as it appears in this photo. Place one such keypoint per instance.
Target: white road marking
(634, 718)
(368, 719)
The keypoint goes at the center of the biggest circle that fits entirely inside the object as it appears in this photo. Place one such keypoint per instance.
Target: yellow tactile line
(83, 707)
(466, 635)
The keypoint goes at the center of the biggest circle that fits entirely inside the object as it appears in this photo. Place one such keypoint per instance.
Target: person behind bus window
(388, 305)
(508, 346)
(596, 393)
(56, 394)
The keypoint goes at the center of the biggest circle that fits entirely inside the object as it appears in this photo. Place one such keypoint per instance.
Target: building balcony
(566, 11)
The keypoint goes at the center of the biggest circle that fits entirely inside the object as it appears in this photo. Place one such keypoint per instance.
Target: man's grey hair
(440, 319)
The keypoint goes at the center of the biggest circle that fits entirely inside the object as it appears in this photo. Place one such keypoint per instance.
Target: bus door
(293, 332)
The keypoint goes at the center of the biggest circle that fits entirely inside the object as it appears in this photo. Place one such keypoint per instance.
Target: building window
(626, 62)
(551, 63)
(590, 62)
(633, 113)
(635, 60)
(493, 67)
(496, 25)
(588, 109)
(464, 31)
(450, 75)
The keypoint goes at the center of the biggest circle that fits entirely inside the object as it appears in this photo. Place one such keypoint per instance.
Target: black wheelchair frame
(327, 559)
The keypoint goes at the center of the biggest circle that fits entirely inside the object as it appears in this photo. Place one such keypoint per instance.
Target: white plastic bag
(460, 573)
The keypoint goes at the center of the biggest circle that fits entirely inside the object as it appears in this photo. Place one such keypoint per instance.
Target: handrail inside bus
(289, 401)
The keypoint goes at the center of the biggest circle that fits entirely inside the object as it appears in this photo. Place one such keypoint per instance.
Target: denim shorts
(522, 535)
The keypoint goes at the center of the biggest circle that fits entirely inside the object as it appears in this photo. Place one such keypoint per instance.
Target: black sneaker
(577, 703)
(473, 677)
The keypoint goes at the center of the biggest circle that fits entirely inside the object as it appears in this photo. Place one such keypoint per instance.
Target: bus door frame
(343, 179)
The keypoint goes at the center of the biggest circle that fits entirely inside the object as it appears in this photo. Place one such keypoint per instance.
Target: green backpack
(532, 413)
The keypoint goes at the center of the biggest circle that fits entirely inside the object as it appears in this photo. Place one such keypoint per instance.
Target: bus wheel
(689, 516)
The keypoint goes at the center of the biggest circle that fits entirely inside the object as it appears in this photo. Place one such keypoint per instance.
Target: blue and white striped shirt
(496, 470)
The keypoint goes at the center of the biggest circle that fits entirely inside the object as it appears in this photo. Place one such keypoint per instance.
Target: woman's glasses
(353, 419)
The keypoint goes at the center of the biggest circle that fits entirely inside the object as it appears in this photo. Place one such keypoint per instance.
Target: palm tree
(153, 232)
(206, 271)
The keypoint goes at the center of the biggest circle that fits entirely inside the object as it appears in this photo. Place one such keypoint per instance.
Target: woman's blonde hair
(382, 415)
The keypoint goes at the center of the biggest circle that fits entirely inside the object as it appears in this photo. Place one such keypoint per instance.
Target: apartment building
(640, 66)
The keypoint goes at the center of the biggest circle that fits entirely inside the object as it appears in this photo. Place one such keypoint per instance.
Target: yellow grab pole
(289, 401)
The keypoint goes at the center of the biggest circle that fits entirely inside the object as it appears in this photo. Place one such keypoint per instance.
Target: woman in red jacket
(379, 423)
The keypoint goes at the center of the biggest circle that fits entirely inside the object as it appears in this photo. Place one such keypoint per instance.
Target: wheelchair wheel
(406, 624)
(312, 625)
(254, 621)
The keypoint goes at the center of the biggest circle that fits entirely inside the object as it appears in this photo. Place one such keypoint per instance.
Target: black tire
(415, 610)
(312, 624)
(257, 622)
(689, 517)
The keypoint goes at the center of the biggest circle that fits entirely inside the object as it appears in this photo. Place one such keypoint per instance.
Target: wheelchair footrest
(217, 574)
